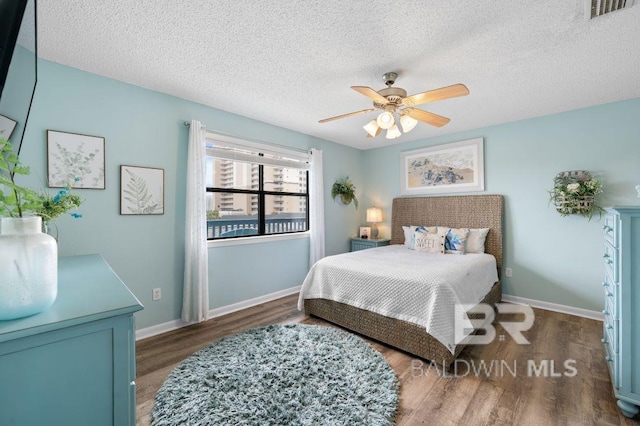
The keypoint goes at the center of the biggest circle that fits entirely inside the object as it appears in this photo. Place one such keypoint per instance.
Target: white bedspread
(404, 284)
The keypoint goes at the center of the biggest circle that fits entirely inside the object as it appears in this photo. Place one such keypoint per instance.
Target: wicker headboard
(467, 211)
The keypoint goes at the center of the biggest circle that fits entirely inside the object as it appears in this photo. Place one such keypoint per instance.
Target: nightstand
(363, 243)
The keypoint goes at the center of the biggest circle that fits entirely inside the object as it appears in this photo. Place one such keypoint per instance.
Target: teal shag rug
(281, 375)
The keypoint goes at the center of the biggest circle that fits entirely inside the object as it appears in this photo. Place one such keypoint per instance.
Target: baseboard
(555, 307)
(224, 310)
(154, 330)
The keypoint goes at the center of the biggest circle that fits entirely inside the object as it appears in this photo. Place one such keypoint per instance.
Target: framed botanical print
(75, 160)
(141, 190)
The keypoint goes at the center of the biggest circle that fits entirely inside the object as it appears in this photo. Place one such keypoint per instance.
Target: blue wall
(554, 259)
(145, 128)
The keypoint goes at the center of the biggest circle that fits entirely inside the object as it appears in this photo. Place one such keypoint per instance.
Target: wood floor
(510, 394)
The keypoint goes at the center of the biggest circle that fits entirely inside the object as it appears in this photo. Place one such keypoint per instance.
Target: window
(254, 189)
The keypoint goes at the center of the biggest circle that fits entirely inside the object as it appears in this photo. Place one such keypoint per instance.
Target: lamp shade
(408, 123)
(393, 132)
(385, 120)
(374, 214)
(372, 128)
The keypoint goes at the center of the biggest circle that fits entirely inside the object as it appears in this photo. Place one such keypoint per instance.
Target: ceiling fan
(394, 102)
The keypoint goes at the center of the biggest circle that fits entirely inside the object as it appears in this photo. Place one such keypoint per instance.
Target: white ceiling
(292, 62)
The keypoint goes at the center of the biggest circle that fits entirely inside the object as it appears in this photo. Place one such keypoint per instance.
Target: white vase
(28, 268)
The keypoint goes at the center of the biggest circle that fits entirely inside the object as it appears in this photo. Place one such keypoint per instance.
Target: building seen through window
(249, 198)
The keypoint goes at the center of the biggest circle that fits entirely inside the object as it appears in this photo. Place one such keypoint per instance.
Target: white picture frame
(75, 160)
(7, 126)
(452, 167)
(141, 190)
(365, 232)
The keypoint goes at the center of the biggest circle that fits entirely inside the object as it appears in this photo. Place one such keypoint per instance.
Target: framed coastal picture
(141, 190)
(453, 167)
(75, 160)
(7, 126)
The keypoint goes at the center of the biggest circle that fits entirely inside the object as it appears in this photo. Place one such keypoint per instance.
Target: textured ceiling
(292, 62)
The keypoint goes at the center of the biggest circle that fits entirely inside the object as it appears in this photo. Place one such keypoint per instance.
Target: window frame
(261, 193)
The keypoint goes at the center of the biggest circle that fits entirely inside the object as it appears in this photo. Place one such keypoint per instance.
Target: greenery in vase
(576, 194)
(344, 188)
(19, 201)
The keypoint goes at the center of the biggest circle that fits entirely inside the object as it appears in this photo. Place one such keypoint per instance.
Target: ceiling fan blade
(427, 117)
(337, 117)
(436, 95)
(370, 93)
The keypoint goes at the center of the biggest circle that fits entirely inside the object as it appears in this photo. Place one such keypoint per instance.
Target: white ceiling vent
(597, 8)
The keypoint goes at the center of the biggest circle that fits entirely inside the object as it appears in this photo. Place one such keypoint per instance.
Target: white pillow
(475, 240)
(429, 243)
(408, 235)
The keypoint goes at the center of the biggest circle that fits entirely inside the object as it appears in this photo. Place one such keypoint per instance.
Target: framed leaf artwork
(75, 160)
(7, 126)
(141, 190)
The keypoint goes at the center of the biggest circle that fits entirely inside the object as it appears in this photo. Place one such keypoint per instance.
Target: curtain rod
(306, 151)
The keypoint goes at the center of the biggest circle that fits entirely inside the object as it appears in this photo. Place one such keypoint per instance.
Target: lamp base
(374, 231)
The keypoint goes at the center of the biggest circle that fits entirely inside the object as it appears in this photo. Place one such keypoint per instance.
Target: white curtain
(316, 213)
(195, 296)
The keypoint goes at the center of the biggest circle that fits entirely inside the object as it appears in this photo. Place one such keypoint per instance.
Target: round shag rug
(281, 375)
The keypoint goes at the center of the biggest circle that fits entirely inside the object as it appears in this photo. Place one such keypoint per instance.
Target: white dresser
(622, 304)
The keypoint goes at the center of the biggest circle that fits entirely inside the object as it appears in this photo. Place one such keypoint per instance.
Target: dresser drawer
(610, 256)
(610, 305)
(610, 229)
(610, 326)
(612, 362)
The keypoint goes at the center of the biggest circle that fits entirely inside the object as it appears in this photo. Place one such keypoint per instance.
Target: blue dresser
(622, 304)
(73, 364)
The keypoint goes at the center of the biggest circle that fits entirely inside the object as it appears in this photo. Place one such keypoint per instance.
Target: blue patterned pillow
(455, 241)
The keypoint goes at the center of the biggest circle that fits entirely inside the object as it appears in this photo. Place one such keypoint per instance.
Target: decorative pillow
(455, 241)
(409, 238)
(429, 243)
(475, 240)
(423, 230)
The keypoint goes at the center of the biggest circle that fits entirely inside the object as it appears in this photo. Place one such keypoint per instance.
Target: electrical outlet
(508, 272)
(157, 294)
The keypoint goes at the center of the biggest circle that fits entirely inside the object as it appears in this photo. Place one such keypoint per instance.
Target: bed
(473, 211)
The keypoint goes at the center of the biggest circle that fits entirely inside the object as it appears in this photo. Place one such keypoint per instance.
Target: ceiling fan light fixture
(385, 120)
(372, 128)
(393, 132)
(407, 123)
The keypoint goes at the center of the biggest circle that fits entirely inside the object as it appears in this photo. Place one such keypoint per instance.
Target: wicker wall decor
(574, 192)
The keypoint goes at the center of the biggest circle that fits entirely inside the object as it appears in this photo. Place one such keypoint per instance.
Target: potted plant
(345, 190)
(28, 257)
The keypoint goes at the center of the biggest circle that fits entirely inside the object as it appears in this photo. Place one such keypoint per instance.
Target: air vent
(600, 7)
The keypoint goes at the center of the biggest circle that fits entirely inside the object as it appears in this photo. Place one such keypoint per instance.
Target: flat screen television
(18, 67)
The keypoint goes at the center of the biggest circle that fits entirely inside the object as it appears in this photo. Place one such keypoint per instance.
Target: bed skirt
(400, 334)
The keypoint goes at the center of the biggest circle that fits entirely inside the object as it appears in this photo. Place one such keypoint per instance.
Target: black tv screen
(18, 66)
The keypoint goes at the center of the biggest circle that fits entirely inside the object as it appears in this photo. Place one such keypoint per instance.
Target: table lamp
(374, 215)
